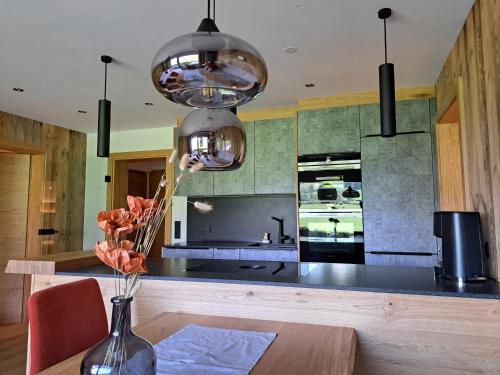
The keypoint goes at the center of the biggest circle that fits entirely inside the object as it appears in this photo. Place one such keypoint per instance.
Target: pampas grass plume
(197, 167)
(183, 165)
(203, 207)
(172, 157)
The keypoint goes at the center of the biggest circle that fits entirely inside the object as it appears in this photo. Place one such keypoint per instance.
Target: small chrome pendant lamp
(387, 87)
(103, 127)
(215, 137)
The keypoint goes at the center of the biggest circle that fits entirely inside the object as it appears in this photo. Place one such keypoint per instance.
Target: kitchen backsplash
(242, 218)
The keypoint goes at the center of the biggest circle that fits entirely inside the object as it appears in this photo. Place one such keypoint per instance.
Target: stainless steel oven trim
(333, 163)
(326, 167)
(315, 213)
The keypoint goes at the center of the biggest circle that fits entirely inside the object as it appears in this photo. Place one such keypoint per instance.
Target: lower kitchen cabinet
(172, 252)
(401, 260)
(269, 255)
(398, 198)
(274, 255)
(275, 164)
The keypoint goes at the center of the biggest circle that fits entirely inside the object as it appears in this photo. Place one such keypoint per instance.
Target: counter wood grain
(50, 264)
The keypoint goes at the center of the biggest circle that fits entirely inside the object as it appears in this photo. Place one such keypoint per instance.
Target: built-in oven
(331, 208)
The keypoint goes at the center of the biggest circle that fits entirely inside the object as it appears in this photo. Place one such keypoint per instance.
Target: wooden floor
(13, 345)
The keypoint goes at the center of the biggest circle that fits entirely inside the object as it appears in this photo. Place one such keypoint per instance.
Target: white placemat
(198, 350)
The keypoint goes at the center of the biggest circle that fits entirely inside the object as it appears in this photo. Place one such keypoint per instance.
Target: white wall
(95, 187)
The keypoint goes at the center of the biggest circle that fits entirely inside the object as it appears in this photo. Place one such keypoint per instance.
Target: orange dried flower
(141, 207)
(116, 222)
(122, 257)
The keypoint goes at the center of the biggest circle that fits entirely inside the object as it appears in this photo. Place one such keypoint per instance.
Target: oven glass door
(315, 194)
(335, 237)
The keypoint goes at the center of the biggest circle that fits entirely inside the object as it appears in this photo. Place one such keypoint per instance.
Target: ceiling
(51, 49)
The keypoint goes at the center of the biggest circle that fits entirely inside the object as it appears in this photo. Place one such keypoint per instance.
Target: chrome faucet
(281, 236)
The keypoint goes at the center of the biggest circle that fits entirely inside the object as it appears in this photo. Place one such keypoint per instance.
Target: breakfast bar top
(383, 279)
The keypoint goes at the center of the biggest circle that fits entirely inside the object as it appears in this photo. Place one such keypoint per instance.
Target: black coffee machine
(462, 246)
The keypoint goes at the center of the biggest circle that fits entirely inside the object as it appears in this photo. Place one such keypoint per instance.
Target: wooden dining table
(297, 349)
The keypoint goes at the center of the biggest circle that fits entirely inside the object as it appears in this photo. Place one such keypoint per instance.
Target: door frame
(35, 193)
(36, 187)
(454, 114)
(132, 155)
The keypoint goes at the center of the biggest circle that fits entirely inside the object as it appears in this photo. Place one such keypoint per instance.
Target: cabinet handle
(399, 253)
(47, 231)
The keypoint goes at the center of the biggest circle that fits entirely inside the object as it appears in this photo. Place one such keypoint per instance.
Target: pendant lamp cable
(208, 9)
(105, 78)
(385, 41)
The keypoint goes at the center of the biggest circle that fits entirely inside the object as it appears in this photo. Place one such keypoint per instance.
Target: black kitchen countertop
(383, 279)
(230, 245)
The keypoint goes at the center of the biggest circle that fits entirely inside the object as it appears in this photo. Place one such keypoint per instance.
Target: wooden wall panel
(64, 182)
(472, 74)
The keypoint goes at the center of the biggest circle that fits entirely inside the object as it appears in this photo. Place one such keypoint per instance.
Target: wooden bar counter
(405, 322)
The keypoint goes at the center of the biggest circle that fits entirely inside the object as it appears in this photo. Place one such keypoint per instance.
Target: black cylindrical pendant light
(387, 87)
(103, 127)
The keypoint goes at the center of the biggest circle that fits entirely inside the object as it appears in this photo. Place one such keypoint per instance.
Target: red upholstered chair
(65, 320)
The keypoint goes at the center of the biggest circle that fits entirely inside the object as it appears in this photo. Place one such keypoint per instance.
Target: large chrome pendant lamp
(209, 69)
(214, 137)
(387, 87)
(104, 120)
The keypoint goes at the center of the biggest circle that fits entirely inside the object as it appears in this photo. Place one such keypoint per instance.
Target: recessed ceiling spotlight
(290, 50)
(309, 85)
(82, 111)
(18, 89)
(149, 104)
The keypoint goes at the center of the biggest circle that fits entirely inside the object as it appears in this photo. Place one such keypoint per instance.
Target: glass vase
(121, 352)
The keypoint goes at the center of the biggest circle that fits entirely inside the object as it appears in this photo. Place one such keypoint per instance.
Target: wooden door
(137, 183)
(14, 187)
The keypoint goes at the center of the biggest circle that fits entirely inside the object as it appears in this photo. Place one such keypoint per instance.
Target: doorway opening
(139, 174)
(450, 160)
(21, 213)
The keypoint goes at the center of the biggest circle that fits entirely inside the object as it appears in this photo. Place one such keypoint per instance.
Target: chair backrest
(65, 320)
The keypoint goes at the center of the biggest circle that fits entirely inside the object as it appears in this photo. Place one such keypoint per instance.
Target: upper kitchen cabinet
(411, 116)
(328, 130)
(275, 161)
(241, 181)
(200, 184)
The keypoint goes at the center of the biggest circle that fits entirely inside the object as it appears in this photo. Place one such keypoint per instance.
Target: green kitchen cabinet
(275, 161)
(398, 199)
(200, 184)
(328, 130)
(411, 116)
(241, 181)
